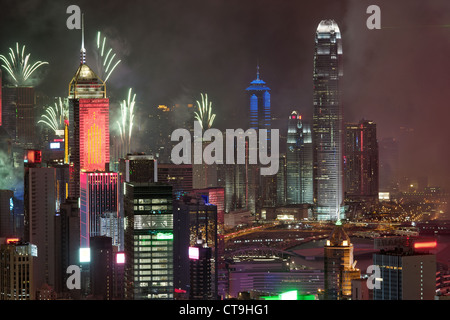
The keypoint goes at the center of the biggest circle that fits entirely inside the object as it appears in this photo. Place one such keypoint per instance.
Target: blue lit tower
(259, 104)
(328, 122)
(261, 190)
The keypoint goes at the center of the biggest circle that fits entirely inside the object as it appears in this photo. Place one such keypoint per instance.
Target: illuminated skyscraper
(327, 122)
(299, 183)
(148, 241)
(98, 196)
(89, 123)
(339, 267)
(14, 256)
(260, 113)
(361, 161)
(407, 268)
(196, 219)
(262, 189)
(7, 213)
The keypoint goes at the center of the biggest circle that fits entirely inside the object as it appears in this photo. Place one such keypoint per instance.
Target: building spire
(257, 71)
(83, 50)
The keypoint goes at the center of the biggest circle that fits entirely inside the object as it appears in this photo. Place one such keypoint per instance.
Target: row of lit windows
(152, 255)
(140, 261)
(151, 248)
(147, 208)
(151, 243)
(149, 201)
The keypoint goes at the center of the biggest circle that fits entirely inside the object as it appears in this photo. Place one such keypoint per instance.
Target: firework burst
(56, 115)
(126, 120)
(204, 114)
(106, 57)
(18, 66)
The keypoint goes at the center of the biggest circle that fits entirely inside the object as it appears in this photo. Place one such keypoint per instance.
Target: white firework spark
(55, 115)
(126, 120)
(205, 115)
(106, 63)
(18, 66)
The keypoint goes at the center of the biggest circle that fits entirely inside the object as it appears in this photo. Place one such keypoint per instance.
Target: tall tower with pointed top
(339, 266)
(89, 124)
(328, 122)
(260, 113)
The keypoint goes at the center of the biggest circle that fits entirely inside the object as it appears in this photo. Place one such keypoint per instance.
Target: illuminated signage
(94, 134)
(290, 295)
(164, 236)
(193, 253)
(85, 255)
(55, 145)
(120, 258)
(34, 250)
(12, 240)
(425, 245)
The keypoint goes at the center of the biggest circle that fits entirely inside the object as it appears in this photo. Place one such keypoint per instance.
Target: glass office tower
(327, 122)
(148, 241)
(299, 183)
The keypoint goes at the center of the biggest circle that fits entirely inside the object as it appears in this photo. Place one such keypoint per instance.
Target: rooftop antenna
(257, 69)
(83, 50)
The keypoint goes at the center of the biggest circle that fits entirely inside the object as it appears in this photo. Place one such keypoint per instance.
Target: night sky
(172, 50)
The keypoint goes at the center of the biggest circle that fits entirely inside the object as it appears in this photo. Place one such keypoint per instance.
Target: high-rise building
(67, 242)
(261, 188)
(138, 168)
(327, 122)
(41, 211)
(101, 267)
(200, 257)
(407, 268)
(260, 112)
(299, 169)
(195, 219)
(148, 241)
(361, 161)
(7, 213)
(89, 124)
(281, 181)
(18, 104)
(98, 196)
(179, 176)
(241, 182)
(14, 256)
(339, 267)
(389, 164)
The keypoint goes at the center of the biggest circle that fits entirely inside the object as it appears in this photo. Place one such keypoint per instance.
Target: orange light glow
(425, 245)
(11, 240)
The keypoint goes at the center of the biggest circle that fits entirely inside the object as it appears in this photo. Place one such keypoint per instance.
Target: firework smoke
(19, 67)
(205, 115)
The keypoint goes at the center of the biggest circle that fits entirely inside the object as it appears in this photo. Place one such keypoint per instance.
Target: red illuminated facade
(89, 126)
(94, 134)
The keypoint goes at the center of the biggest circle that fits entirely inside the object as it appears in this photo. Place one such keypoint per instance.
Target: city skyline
(170, 62)
(136, 197)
